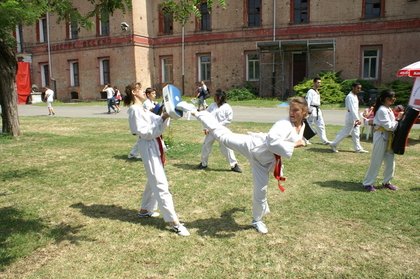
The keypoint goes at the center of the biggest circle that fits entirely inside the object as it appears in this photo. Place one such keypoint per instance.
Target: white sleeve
(280, 140)
(226, 114)
(352, 106)
(146, 124)
(385, 119)
(309, 97)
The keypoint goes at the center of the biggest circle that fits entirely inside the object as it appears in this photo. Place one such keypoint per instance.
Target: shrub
(368, 93)
(239, 94)
(402, 90)
(331, 90)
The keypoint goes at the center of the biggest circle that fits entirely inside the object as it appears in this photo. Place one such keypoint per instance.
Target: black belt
(317, 111)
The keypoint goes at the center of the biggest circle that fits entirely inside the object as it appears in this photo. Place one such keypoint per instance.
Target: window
(254, 13)
(167, 69)
(73, 29)
(74, 73)
(166, 22)
(45, 75)
(370, 63)
(373, 8)
(42, 28)
(105, 75)
(252, 67)
(300, 11)
(104, 24)
(204, 67)
(205, 22)
(19, 38)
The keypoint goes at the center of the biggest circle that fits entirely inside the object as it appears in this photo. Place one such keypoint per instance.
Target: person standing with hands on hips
(316, 119)
(352, 121)
(384, 124)
(149, 128)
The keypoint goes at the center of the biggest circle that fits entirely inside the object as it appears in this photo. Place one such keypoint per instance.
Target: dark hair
(316, 79)
(149, 90)
(355, 84)
(221, 97)
(129, 97)
(380, 100)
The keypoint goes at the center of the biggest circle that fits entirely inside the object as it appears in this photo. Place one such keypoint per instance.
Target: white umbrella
(413, 70)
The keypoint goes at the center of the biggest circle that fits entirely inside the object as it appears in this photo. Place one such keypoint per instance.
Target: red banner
(23, 82)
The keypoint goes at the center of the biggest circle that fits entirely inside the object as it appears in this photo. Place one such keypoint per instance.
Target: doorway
(299, 67)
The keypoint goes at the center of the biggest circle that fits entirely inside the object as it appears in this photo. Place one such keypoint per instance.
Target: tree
(182, 11)
(14, 12)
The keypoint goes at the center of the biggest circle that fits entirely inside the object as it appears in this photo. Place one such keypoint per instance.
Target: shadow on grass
(326, 149)
(342, 185)
(18, 231)
(19, 173)
(195, 167)
(125, 158)
(222, 227)
(114, 212)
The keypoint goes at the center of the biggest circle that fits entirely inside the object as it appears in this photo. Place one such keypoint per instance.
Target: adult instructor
(315, 119)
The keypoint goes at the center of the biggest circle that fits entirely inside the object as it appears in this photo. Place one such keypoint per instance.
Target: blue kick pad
(171, 97)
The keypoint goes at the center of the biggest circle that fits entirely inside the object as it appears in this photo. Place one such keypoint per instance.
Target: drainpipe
(54, 87)
(273, 77)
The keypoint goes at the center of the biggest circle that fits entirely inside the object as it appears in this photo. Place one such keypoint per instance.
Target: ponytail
(387, 93)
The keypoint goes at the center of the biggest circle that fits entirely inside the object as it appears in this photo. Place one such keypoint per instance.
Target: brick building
(270, 44)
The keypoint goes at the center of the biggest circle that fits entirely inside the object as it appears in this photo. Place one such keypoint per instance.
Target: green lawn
(69, 198)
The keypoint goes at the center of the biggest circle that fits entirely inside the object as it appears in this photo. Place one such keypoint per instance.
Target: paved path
(241, 114)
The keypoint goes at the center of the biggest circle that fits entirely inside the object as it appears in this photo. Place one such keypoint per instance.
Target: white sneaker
(333, 148)
(181, 230)
(362, 151)
(260, 227)
(186, 107)
(327, 142)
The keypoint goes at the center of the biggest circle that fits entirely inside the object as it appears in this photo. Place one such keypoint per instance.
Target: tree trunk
(8, 96)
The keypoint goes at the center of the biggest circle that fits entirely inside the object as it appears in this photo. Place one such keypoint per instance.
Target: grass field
(69, 199)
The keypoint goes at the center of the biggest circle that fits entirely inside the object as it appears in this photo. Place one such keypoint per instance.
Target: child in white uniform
(384, 125)
(149, 127)
(260, 149)
(223, 112)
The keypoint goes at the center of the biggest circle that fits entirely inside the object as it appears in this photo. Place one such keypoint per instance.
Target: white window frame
(19, 39)
(73, 26)
(45, 79)
(102, 71)
(369, 58)
(255, 76)
(42, 24)
(73, 73)
(204, 67)
(167, 69)
(101, 20)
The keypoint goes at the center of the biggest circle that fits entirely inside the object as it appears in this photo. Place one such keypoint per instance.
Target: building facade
(269, 44)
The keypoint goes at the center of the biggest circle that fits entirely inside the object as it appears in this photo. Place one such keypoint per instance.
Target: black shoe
(236, 168)
(201, 167)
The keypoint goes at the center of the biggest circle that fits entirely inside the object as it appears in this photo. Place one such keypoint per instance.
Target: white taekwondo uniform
(223, 114)
(259, 149)
(149, 127)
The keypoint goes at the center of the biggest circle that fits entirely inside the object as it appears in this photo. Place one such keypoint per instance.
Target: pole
(183, 58)
(49, 56)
